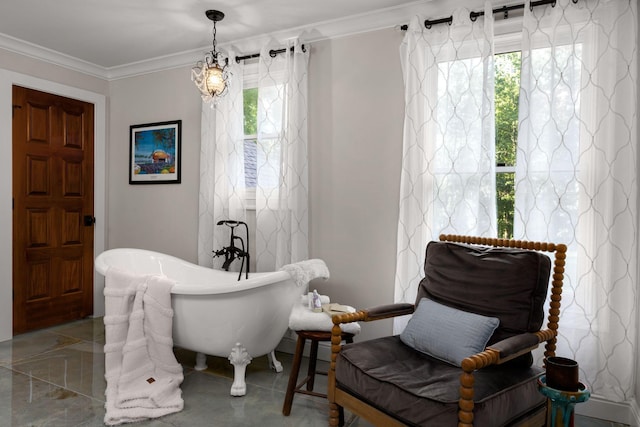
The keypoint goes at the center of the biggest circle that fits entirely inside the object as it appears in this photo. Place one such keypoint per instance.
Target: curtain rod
(474, 15)
(272, 53)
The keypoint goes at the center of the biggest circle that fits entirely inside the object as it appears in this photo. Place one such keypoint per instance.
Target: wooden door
(52, 209)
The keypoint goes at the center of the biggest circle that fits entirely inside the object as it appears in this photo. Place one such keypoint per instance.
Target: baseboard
(635, 414)
(597, 407)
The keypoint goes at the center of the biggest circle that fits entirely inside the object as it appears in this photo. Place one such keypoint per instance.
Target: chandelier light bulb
(215, 80)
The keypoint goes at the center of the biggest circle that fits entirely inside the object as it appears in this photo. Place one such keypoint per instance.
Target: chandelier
(210, 74)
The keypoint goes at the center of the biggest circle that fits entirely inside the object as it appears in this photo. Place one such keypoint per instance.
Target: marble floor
(55, 377)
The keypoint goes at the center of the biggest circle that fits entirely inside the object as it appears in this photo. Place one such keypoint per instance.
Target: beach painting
(154, 156)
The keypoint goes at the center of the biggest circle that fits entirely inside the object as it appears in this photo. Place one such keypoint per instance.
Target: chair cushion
(447, 333)
(510, 284)
(420, 390)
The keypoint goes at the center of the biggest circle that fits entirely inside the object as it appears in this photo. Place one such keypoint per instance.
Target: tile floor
(55, 377)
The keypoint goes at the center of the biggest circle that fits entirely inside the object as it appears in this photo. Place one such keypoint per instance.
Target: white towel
(142, 373)
(305, 271)
(303, 319)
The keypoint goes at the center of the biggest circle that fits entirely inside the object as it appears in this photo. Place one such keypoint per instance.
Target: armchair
(435, 377)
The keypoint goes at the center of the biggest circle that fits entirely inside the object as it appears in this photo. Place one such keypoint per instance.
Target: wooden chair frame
(339, 399)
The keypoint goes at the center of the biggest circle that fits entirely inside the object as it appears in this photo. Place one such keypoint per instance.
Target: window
(507, 88)
(268, 156)
(250, 106)
(250, 127)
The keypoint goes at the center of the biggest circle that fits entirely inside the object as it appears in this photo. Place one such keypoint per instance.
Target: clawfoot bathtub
(214, 313)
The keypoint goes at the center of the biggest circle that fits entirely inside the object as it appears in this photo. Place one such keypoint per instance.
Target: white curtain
(576, 176)
(448, 165)
(282, 215)
(282, 172)
(222, 186)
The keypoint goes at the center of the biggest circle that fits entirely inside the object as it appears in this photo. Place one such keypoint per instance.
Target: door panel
(53, 192)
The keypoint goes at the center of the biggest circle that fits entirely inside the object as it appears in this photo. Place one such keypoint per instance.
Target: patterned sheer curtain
(222, 186)
(448, 166)
(576, 176)
(282, 215)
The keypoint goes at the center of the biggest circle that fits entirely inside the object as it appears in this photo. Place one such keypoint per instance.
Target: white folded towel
(142, 373)
(301, 318)
(305, 271)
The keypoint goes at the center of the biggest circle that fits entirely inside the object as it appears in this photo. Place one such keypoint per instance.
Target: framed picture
(154, 153)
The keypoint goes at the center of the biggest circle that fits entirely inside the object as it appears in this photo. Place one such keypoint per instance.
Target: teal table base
(562, 403)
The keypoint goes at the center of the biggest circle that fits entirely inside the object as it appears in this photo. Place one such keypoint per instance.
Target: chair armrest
(512, 347)
(375, 313)
(515, 346)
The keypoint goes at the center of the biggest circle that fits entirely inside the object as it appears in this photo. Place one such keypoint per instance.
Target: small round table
(562, 403)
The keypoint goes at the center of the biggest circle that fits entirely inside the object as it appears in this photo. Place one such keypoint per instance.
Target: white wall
(162, 217)
(355, 138)
(636, 409)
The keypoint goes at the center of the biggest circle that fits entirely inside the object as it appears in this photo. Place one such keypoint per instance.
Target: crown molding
(342, 27)
(35, 51)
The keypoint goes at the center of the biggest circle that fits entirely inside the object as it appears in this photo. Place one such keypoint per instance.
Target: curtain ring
(272, 53)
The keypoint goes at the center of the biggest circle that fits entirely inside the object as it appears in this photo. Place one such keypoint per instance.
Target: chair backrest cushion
(507, 283)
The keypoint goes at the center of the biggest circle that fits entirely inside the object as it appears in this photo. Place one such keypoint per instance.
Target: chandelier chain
(215, 54)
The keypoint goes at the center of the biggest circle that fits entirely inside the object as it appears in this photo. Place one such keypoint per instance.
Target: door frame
(7, 80)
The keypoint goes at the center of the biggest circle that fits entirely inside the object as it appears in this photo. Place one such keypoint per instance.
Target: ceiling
(111, 34)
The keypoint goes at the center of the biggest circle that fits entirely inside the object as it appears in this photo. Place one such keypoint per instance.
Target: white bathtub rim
(255, 280)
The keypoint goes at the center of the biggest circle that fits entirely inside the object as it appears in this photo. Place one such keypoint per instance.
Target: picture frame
(155, 153)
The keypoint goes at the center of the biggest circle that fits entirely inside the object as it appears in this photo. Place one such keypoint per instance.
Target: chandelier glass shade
(210, 74)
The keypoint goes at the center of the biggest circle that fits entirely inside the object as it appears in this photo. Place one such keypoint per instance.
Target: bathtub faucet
(233, 252)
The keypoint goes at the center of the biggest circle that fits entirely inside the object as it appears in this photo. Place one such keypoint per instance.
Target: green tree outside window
(507, 90)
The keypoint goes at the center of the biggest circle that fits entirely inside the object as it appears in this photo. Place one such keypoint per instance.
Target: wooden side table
(561, 404)
(315, 337)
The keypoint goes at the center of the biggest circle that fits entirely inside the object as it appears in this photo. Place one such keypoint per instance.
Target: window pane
(250, 101)
(250, 162)
(507, 87)
(507, 90)
(505, 193)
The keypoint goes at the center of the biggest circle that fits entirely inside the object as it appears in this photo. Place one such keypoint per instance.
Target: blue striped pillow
(446, 333)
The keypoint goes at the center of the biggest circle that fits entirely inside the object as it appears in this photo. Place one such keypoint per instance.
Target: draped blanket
(142, 373)
(305, 271)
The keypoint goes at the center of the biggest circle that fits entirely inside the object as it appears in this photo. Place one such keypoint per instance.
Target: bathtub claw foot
(239, 358)
(274, 363)
(201, 362)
